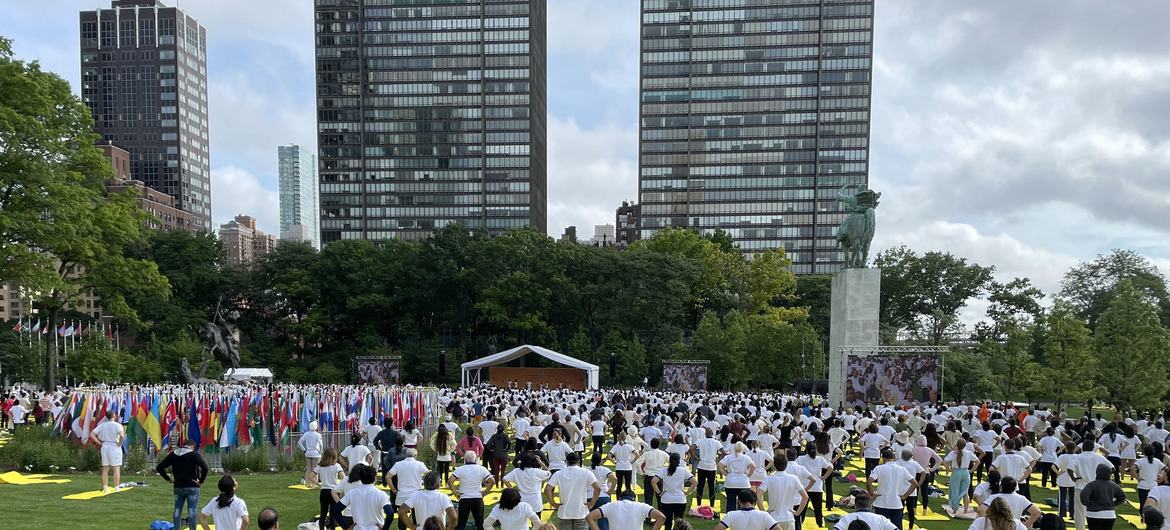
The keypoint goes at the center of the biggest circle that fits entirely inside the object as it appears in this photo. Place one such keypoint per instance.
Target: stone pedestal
(856, 298)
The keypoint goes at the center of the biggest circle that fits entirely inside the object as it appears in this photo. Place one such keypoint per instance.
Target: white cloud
(593, 27)
(591, 171)
(235, 191)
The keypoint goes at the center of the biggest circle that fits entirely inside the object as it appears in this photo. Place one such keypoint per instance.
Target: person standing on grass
(371, 435)
(469, 483)
(496, 451)
(919, 473)
(649, 464)
(356, 453)
(926, 457)
(578, 488)
(311, 444)
(1062, 477)
(747, 517)
(736, 467)
(529, 477)
(109, 436)
(385, 443)
(227, 510)
(512, 513)
(1083, 471)
(1101, 497)
(894, 484)
(607, 480)
(626, 513)
(189, 472)
(427, 504)
(443, 444)
(960, 463)
(1149, 469)
(673, 485)
(328, 474)
(782, 488)
(367, 505)
(1157, 501)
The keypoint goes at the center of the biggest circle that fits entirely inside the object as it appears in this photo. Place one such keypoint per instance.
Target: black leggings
(672, 511)
(326, 498)
(598, 442)
(624, 477)
(444, 469)
(1142, 496)
(923, 490)
(1116, 461)
(984, 465)
(732, 494)
(1100, 524)
(474, 507)
(871, 463)
(911, 505)
(648, 490)
(1045, 471)
(814, 501)
(707, 477)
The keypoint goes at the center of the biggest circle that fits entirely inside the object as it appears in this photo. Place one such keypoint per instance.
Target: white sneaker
(117, 488)
(105, 490)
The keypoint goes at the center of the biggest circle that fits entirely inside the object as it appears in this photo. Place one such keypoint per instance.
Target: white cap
(312, 425)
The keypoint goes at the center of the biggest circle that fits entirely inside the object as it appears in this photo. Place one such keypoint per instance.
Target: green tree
(1011, 362)
(19, 360)
(1091, 286)
(966, 375)
(193, 264)
(924, 294)
(815, 292)
(95, 361)
(631, 363)
(1133, 348)
(63, 234)
(1070, 369)
(581, 347)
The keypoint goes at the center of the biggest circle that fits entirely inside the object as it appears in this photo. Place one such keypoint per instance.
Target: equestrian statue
(219, 340)
(856, 231)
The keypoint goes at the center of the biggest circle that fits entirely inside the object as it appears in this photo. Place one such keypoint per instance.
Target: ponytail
(673, 466)
(227, 491)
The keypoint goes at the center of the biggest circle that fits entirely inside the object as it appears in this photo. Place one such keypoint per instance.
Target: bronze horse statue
(856, 231)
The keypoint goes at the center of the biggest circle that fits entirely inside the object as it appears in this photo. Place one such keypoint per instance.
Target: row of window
(783, 95)
(748, 183)
(426, 63)
(433, 163)
(650, 5)
(753, 145)
(726, 208)
(448, 211)
(431, 25)
(427, 187)
(677, 133)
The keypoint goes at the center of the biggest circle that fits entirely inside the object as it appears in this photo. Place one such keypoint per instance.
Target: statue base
(853, 321)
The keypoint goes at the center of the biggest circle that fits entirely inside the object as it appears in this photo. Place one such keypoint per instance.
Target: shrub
(34, 449)
(294, 463)
(246, 461)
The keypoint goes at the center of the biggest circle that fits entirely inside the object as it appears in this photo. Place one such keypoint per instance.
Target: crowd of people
(618, 459)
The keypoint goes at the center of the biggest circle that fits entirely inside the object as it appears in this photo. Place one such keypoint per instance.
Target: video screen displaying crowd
(517, 457)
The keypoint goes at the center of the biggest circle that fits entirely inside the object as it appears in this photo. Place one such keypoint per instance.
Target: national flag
(153, 425)
(36, 327)
(19, 326)
(327, 413)
(228, 437)
(256, 420)
(193, 429)
(305, 419)
(81, 410)
(170, 422)
(243, 435)
(69, 331)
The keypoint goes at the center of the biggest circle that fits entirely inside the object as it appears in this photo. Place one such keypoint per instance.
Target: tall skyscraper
(299, 211)
(429, 114)
(144, 77)
(754, 113)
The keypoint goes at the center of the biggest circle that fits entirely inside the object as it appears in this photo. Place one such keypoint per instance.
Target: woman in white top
(673, 485)
(410, 435)
(512, 513)
(606, 480)
(871, 447)
(1149, 469)
(1130, 447)
(1113, 443)
(762, 458)
(821, 469)
(443, 442)
(557, 451)
(226, 510)
(356, 453)
(529, 478)
(624, 455)
(329, 473)
(597, 431)
(1065, 485)
(736, 467)
(959, 463)
(999, 517)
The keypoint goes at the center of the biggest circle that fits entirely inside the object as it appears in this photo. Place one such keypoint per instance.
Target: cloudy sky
(1025, 135)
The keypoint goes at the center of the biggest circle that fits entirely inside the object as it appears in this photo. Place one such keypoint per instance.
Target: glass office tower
(754, 114)
(299, 213)
(144, 77)
(430, 112)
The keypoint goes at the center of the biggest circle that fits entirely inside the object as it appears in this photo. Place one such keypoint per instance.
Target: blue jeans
(191, 497)
(894, 515)
(603, 523)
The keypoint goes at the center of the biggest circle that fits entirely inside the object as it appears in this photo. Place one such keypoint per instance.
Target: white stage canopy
(473, 375)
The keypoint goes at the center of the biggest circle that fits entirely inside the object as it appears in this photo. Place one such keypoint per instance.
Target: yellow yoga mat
(300, 487)
(16, 479)
(90, 495)
(1134, 520)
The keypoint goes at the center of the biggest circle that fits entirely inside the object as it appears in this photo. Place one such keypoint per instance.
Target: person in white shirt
(557, 450)
(597, 432)
(1158, 499)
(821, 469)
(328, 474)
(1019, 504)
(579, 490)
(786, 493)
(227, 510)
(310, 443)
(410, 474)
(372, 432)
(736, 467)
(747, 517)
(1062, 472)
(649, 464)
(626, 513)
(529, 478)
(871, 447)
(959, 462)
(367, 505)
(1084, 470)
(707, 449)
(1149, 469)
(1049, 446)
(427, 503)
(919, 473)
(864, 516)
(512, 513)
(468, 483)
(624, 455)
(999, 516)
(673, 485)
(356, 453)
(489, 426)
(109, 434)
(894, 483)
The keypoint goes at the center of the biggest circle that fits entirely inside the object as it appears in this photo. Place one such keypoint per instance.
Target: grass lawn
(41, 506)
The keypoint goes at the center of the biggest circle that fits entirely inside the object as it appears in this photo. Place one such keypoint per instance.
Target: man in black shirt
(385, 442)
(189, 471)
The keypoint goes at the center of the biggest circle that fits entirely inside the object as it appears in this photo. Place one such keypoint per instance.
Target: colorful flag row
(229, 417)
